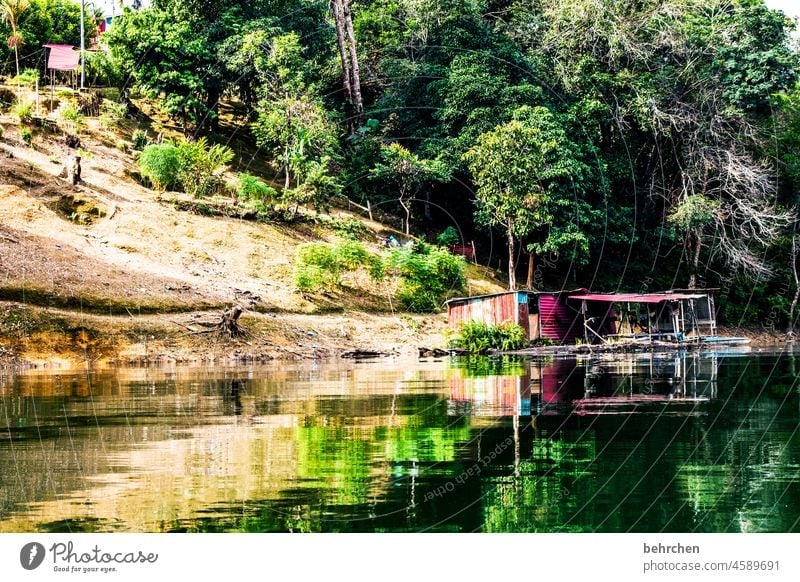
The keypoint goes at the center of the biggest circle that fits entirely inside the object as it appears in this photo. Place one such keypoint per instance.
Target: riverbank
(51, 338)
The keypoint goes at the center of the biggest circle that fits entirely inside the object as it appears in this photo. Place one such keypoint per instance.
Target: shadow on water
(649, 442)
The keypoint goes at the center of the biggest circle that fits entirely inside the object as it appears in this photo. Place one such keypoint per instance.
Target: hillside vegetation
(606, 144)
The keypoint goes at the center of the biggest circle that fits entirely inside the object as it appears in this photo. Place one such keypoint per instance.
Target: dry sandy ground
(132, 282)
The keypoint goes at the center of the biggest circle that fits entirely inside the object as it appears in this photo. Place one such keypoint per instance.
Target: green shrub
(320, 265)
(248, 187)
(349, 227)
(350, 255)
(200, 165)
(195, 166)
(160, 164)
(74, 119)
(448, 237)
(428, 274)
(112, 114)
(479, 337)
(2, 130)
(26, 77)
(310, 278)
(70, 112)
(316, 267)
(23, 110)
(139, 140)
(27, 136)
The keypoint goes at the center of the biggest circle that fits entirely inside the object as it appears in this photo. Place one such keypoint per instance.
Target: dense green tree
(689, 99)
(169, 59)
(408, 174)
(523, 170)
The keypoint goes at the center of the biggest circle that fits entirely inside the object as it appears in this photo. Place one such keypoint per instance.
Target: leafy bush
(139, 140)
(192, 165)
(27, 136)
(320, 265)
(2, 130)
(73, 117)
(200, 164)
(26, 77)
(24, 111)
(112, 114)
(448, 237)
(160, 164)
(428, 274)
(70, 112)
(479, 337)
(248, 187)
(348, 227)
(316, 267)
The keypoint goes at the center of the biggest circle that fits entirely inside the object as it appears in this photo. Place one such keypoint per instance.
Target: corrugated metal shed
(497, 309)
(541, 314)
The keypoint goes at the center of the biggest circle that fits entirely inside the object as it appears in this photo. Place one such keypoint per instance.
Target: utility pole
(83, 48)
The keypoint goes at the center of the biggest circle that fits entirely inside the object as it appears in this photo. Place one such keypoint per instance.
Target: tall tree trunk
(354, 68)
(512, 280)
(529, 282)
(351, 73)
(341, 36)
(407, 207)
(793, 255)
(695, 264)
(287, 181)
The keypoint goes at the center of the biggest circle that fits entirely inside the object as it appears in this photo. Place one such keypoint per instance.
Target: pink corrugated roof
(636, 297)
(63, 57)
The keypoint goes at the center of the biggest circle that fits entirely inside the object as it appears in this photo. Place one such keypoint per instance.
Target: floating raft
(634, 344)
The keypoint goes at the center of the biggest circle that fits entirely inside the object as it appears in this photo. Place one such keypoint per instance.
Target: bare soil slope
(106, 271)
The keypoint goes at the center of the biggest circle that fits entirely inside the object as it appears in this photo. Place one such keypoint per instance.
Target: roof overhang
(63, 57)
(637, 297)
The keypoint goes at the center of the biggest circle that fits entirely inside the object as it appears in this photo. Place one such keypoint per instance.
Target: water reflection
(651, 442)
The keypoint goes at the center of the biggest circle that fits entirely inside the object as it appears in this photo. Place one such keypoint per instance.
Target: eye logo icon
(31, 555)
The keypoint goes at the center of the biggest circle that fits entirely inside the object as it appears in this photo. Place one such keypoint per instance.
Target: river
(696, 442)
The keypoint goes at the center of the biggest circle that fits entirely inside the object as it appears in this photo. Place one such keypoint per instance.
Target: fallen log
(358, 354)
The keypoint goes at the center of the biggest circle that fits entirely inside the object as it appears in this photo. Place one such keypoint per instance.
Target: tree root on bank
(227, 325)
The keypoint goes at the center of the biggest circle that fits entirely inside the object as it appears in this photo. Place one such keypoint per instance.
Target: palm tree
(11, 10)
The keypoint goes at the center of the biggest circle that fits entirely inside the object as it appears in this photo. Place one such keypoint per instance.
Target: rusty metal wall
(511, 307)
(558, 321)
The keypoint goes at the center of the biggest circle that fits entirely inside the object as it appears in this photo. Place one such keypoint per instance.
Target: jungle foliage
(614, 144)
